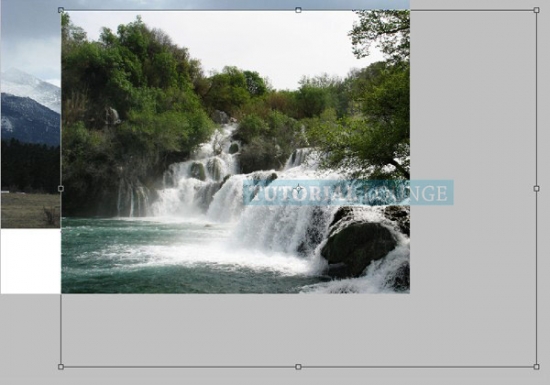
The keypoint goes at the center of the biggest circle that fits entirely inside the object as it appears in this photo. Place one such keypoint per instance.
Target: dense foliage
(29, 167)
(134, 102)
(374, 141)
(129, 109)
(367, 143)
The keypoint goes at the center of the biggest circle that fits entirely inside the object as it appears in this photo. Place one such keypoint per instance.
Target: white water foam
(190, 186)
(285, 239)
(374, 280)
(210, 248)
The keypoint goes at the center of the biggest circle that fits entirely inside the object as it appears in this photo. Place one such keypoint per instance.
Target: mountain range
(22, 84)
(29, 121)
(30, 109)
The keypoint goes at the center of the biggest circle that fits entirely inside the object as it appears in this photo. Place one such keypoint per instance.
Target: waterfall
(207, 187)
(119, 200)
(298, 157)
(131, 192)
(227, 203)
(132, 199)
(189, 187)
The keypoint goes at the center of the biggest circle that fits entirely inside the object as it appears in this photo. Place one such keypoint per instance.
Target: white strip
(31, 261)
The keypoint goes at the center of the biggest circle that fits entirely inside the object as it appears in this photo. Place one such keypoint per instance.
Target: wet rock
(234, 148)
(197, 171)
(400, 281)
(338, 270)
(220, 117)
(314, 233)
(341, 213)
(400, 216)
(259, 180)
(111, 116)
(356, 246)
(205, 195)
(224, 180)
(214, 167)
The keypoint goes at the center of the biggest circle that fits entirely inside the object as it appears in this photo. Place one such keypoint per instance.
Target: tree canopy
(376, 141)
(388, 29)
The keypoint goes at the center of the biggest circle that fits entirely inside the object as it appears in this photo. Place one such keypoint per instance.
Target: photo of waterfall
(166, 154)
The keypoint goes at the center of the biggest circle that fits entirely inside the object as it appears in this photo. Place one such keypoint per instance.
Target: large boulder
(234, 148)
(314, 232)
(220, 117)
(111, 117)
(205, 194)
(351, 249)
(400, 280)
(344, 212)
(197, 171)
(259, 179)
(214, 167)
(400, 216)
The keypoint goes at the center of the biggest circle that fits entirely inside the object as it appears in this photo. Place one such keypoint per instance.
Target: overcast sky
(31, 38)
(282, 46)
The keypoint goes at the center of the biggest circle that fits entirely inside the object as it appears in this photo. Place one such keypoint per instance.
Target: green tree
(312, 100)
(250, 127)
(378, 135)
(149, 81)
(228, 91)
(267, 143)
(29, 167)
(389, 29)
(376, 138)
(254, 83)
(70, 33)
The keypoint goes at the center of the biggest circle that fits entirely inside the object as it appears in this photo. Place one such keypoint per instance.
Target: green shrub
(250, 127)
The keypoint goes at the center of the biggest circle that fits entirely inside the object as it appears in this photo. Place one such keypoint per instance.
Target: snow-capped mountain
(22, 84)
(28, 121)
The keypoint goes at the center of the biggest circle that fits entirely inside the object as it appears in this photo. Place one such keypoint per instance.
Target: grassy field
(26, 211)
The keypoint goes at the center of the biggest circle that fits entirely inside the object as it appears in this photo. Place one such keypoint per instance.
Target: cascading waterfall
(207, 187)
(132, 200)
(198, 235)
(189, 187)
(298, 157)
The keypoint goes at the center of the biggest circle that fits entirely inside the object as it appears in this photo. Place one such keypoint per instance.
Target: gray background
(472, 298)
